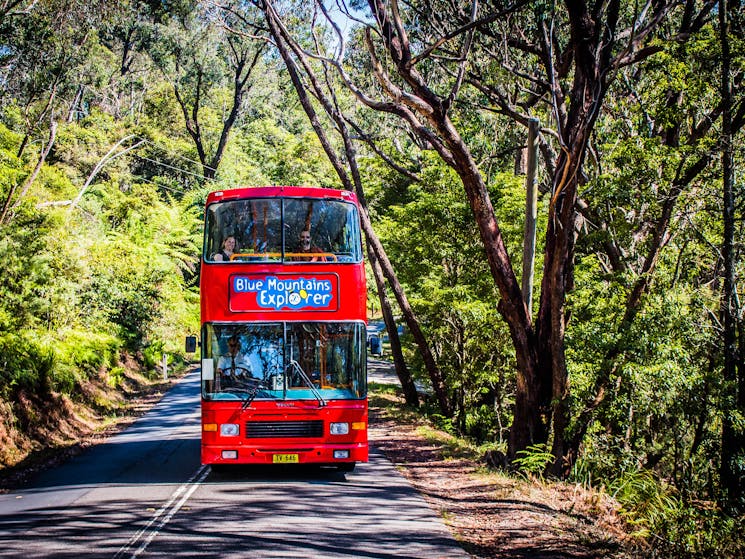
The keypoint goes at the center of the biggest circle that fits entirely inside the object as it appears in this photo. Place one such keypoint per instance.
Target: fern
(533, 461)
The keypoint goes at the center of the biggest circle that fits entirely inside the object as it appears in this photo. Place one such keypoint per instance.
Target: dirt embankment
(37, 432)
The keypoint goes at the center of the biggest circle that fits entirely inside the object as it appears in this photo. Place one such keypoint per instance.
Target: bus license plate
(285, 459)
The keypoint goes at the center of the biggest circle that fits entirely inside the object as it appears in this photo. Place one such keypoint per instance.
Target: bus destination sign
(283, 292)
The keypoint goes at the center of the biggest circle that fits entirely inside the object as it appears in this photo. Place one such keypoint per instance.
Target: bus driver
(233, 364)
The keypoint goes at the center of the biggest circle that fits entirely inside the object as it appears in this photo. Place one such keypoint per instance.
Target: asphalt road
(143, 493)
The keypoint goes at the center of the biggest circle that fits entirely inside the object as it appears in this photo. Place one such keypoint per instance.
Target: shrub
(26, 365)
(82, 355)
(674, 527)
(697, 531)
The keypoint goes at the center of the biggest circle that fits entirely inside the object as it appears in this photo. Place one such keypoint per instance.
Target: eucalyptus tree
(732, 469)
(212, 71)
(45, 44)
(128, 35)
(558, 62)
(311, 84)
(653, 209)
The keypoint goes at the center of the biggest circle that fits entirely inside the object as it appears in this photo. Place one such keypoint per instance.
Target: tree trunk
(283, 41)
(551, 383)
(242, 70)
(74, 106)
(732, 468)
(404, 375)
(4, 216)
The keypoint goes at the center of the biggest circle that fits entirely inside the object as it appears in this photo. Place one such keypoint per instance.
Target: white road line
(169, 509)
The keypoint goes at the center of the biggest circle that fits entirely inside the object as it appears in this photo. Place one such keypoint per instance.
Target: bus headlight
(339, 428)
(229, 429)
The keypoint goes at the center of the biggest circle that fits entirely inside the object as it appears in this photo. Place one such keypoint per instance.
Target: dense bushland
(117, 119)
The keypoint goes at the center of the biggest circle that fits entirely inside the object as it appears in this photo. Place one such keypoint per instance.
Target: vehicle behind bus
(283, 335)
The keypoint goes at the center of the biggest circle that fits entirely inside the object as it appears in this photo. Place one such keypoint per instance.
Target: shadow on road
(275, 473)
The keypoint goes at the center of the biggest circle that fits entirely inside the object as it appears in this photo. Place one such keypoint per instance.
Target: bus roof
(274, 191)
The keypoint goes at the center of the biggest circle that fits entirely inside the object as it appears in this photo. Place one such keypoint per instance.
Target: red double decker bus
(283, 302)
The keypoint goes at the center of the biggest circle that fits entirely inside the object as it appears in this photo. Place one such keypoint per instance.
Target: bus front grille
(283, 429)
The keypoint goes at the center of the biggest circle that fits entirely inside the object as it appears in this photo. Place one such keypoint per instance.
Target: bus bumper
(337, 453)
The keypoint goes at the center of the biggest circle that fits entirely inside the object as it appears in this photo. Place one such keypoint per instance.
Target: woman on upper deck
(226, 251)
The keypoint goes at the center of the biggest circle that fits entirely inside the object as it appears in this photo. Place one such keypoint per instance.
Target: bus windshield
(282, 230)
(284, 360)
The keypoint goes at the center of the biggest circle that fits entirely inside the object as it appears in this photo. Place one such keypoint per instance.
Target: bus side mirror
(191, 344)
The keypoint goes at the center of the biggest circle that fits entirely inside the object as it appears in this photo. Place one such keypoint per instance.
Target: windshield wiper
(250, 393)
(250, 397)
(299, 370)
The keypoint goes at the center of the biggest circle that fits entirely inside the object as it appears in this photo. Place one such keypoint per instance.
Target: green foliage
(152, 355)
(444, 423)
(82, 355)
(644, 500)
(678, 528)
(286, 157)
(161, 109)
(699, 531)
(26, 274)
(429, 233)
(82, 285)
(26, 364)
(534, 460)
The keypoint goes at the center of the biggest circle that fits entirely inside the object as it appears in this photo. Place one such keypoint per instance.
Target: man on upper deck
(305, 245)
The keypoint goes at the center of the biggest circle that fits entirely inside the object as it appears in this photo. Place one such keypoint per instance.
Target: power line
(172, 167)
(176, 154)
